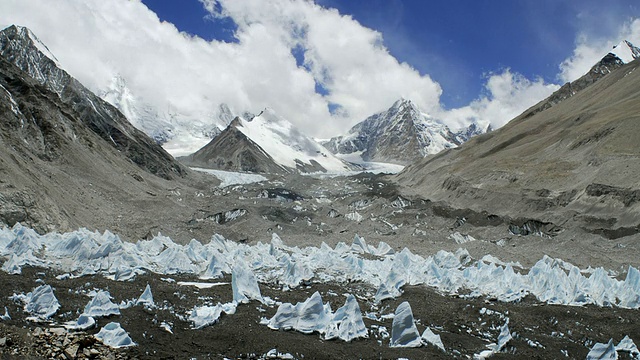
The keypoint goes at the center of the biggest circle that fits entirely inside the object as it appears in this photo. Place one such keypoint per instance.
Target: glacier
(312, 315)
(41, 303)
(84, 252)
(113, 335)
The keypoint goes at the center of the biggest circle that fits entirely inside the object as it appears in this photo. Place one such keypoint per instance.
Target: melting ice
(84, 252)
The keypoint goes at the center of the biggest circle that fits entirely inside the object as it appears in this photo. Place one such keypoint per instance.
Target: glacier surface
(312, 315)
(83, 252)
(114, 335)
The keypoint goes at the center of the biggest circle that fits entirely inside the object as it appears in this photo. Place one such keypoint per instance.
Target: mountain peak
(26, 37)
(402, 105)
(402, 102)
(625, 51)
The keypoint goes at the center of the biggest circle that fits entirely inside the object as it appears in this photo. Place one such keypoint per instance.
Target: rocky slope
(570, 161)
(21, 47)
(402, 134)
(266, 143)
(69, 159)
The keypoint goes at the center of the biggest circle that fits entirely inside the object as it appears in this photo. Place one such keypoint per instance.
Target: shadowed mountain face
(69, 159)
(19, 46)
(233, 151)
(572, 161)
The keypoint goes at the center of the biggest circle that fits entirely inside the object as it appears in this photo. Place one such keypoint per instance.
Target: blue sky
(459, 42)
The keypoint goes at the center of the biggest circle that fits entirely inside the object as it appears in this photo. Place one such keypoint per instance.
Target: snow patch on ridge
(625, 51)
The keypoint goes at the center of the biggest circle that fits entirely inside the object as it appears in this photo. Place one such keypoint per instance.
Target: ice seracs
(429, 337)
(202, 316)
(101, 305)
(346, 323)
(627, 345)
(83, 252)
(244, 284)
(403, 331)
(601, 351)
(503, 338)
(6, 315)
(146, 299)
(313, 315)
(83, 322)
(41, 303)
(113, 335)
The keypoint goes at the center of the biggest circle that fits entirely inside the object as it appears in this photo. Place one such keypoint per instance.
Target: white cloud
(97, 39)
(347, 59)
(508, 95)
(590, 50)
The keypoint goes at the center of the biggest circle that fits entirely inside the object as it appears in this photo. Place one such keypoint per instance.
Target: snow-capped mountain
(178, 130)
(266, 143)
(402, 134)
(141, 115)
(625, 51)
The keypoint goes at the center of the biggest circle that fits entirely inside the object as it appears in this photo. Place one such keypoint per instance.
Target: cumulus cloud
(507, 95)
(345, 58)
(97, 39)
(589, 50)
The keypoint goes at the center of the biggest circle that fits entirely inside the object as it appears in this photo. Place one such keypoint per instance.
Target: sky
(328, 64)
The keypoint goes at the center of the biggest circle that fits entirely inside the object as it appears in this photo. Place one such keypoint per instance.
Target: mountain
(402, 134)
(22, 48)
(68, 159)
(266, 143)
(180, 131)
(571, 161)
(140, 114)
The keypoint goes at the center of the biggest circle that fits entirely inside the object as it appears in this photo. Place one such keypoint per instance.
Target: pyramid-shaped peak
(625, 51)
(402, 101)
(24, 37)
(403, 104)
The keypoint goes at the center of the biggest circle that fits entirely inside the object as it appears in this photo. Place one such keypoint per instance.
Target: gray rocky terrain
(572, 166)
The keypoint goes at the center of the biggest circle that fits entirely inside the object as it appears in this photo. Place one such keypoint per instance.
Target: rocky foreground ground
(466, 326)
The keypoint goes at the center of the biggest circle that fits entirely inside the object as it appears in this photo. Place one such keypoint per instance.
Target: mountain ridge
(19, 48)
(571, 163)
